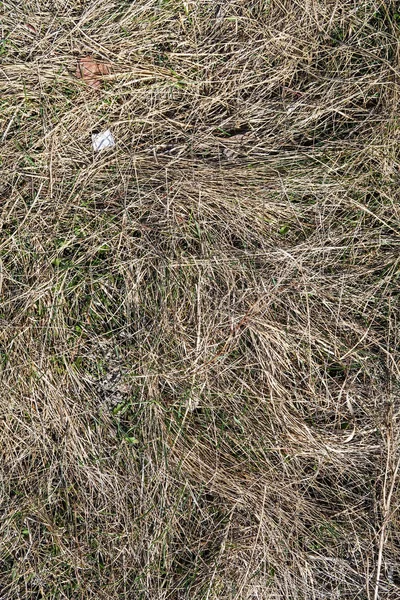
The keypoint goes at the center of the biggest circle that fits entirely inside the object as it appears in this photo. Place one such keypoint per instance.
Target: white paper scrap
(102, 140)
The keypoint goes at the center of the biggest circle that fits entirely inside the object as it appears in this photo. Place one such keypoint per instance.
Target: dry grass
(200, 328)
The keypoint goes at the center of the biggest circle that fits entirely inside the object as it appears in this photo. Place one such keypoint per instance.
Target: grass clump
(199, 344)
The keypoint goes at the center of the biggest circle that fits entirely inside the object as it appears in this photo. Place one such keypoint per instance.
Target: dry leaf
(91, 71)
